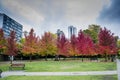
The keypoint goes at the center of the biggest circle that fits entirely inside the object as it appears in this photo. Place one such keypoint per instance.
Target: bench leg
(23, 68)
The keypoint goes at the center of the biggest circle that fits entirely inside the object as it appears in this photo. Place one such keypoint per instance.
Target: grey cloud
(110, 13)
(49, 15)
(110, 16)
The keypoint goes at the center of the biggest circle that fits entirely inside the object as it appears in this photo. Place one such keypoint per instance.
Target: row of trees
(102, 42)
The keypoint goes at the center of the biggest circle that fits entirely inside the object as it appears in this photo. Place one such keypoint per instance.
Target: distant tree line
(90, 42)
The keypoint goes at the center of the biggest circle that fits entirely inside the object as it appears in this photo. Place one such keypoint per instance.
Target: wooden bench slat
(17, 65)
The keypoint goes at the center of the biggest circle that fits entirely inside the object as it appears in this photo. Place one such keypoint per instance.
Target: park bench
(0, 73)
(17, 65)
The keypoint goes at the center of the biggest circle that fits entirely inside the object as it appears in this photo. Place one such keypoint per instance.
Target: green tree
(93, 31)
(118, 45)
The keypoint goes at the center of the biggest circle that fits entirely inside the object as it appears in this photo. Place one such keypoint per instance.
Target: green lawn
(106, 77)
(68, 66)
(64, 66)
(4, 67)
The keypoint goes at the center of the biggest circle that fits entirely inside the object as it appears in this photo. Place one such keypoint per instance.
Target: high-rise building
(71, 31)
(60, 33)
(8, 24)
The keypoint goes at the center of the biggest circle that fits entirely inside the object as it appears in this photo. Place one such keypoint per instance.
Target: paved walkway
(22, 73)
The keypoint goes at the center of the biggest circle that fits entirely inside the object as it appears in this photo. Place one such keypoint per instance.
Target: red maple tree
(107, 42)
(85, 45)
(11, 45)
(62, 45)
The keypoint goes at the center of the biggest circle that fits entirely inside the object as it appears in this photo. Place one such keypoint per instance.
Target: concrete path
(22, 73)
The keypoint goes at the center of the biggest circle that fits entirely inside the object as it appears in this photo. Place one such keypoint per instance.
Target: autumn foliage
(47, 44)
(85, 44)
(73, 51)
(2, 41)
(82, 45)
(11, 44)
(30, 44)
(52, 45)
(107, 43)
(62, 45)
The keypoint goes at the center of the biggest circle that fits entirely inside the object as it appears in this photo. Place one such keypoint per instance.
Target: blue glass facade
(60, 33)
(8, 24)
(71, 31)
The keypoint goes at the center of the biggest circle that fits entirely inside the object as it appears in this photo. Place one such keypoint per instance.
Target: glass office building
(8, 24)
(71, 31)
(60, 33)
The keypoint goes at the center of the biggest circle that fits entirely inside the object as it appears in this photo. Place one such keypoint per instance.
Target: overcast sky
(50, 15)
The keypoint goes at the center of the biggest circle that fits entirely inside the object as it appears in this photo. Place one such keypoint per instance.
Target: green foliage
(20, 44)
(93, 31)
(22, 41)
(118, 43)
(118, 55)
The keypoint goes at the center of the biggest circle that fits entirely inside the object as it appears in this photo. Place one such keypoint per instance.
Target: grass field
(106, 77)
(4, 67)
(68, 66)
(64, 66)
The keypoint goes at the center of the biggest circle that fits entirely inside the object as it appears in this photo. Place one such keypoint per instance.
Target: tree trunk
(109, 57)
(30, 57)
(90, 58)
(45, 57)
(105, 57)
(74, 57)
(112, 58)
(97, 57)
(11, 59)
(56, 57)
(82, 58)
(64, 58)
